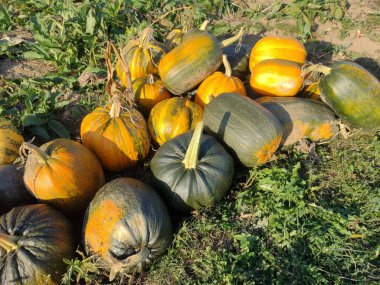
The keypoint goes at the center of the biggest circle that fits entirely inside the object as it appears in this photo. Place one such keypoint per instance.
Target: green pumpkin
(250, 131)
(12, 188)
(128, 225)
(302, 118)
(34, 240)
(192, 171)
(353, 93)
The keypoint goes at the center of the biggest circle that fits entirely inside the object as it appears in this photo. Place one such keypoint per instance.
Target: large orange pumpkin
(62, 173)
(172, 117)
(275, 47)
(117, 133)
(276, 77)
(142, 57)
(10, 141)
(218, 83)
(148, 92)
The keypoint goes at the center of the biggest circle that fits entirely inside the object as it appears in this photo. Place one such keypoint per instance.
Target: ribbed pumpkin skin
(119, 143)
(274, 47)
(148, 94)
(142, 59)
(125, 216)
(353, 93)
(68, 179)
(238, 57)
(189, 189)
(302, 118)
(10, 141)
(216, 84)
(275, 77)
(173, 117)
(44, 240)
(198, 55)
(251, 131)
(12, 188)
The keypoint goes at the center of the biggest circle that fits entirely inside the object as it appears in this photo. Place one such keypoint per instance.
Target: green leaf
(90, 22)
(338, 14)
(32, 120)
(40, 131)
(33, 55)
(59, 129)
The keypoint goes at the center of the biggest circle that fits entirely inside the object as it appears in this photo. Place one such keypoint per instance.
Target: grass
(299, 219)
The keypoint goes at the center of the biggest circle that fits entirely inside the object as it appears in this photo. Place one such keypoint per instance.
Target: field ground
(309, 216)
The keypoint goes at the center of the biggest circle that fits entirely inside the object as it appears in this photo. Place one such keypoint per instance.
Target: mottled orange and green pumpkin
(276, 77)
(172, 117)
(62, 173)
(142, 57)
(275, 47)
(302, 118)
(118, 138)
(10, 141)
(218, 83)
(148, 92)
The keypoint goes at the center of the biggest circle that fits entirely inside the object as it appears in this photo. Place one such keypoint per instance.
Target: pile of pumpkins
(126, 221)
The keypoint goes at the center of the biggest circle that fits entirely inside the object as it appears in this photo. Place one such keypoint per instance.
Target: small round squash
(34, 240)
(10, 141)
(276, 77)
(128, 225)
(192, 171)
(172, 117)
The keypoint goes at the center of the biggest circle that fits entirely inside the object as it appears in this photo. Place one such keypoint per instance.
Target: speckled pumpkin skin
(302, 118)
(44, 239)
(10, 142)
(125, 216)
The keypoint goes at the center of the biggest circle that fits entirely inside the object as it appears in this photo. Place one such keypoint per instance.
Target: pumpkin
(12, 188)
(10, 141)
(34, 240)
(275, 47)
(117, 133)
(312, 91)
(142, 57)
(62, 173)
(198, 174)
(276, 77)
(251, 132)
(238, 57)
(302, 118)
(172, 117)
(218, 83)
(353, 93)
(188, 64)
(127, 225)
(174, 38)
(148, 92)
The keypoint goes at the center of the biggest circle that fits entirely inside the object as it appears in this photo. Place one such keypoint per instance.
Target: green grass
(295, 220)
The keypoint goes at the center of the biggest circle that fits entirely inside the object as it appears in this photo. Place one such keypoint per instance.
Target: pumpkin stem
(229, 41)
(132, 260)
(192, 153)
(150, 79)
(146, 36)
(115, 108)
(26, 146)
(316, 68)
(204, 25)
(227, 66)
(8, 242)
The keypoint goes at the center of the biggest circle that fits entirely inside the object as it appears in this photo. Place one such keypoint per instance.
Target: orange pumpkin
(276, 77)
(117, 133)
(275, 47)
(62, 173)
(141, 55)
(218, 83)
(174, 38)
(172, 117)
(148, 92)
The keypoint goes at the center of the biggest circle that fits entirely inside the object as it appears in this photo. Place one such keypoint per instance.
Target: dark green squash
(192, 170)
(353, 93)
(302, 118)
(251, 132)
(128, 225)
(238, 57)
(34, 240)
(198, 55)
(12, 188)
